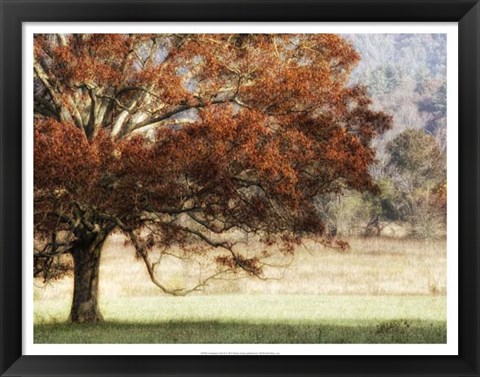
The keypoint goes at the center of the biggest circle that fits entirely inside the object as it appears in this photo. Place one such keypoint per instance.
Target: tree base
(86, 317)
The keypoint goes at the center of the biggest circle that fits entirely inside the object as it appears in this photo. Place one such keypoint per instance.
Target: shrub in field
(350, 212)
(417, 169)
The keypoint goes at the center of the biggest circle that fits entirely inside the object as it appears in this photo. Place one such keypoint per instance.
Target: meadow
(384, 290)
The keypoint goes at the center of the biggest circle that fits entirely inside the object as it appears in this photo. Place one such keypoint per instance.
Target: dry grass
(373, 266)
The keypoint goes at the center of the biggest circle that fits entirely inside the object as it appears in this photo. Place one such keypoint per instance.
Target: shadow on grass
(184, 332)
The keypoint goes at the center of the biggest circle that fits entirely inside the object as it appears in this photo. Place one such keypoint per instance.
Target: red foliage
(197, 134)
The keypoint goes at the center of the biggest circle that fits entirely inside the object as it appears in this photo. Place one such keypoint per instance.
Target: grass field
(382, 291)
(253, 319)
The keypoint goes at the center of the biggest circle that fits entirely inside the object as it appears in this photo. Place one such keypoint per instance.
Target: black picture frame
(14, 12)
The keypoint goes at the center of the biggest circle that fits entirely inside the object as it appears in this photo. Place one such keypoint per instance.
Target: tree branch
(54, 249)
(43, 77)
(151, 272)
(181, 108)
(91, 120)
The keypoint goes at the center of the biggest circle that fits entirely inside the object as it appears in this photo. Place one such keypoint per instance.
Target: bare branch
(42, 75)
(151, 272)
(53, 249)
(181, 108)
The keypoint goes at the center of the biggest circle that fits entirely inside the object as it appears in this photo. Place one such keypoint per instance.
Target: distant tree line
(405, 75)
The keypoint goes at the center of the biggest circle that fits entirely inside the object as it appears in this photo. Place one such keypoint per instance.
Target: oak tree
(181, 139)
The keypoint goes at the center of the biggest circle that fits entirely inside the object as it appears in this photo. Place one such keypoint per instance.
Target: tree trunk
(86, 260)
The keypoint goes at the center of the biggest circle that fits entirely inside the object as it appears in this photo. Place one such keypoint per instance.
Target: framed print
(268, 188)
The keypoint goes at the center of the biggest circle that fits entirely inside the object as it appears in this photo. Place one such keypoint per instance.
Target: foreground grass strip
(400, 331)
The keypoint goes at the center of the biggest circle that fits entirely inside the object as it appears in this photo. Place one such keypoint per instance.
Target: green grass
(251, 319)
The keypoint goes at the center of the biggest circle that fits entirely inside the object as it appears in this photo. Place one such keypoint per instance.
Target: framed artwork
(239, 188)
